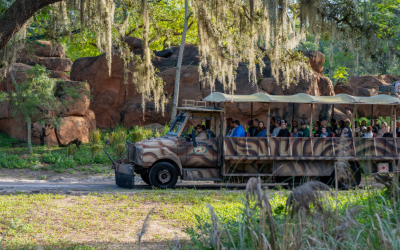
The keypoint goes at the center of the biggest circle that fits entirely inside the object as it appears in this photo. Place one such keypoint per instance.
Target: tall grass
(308, 221)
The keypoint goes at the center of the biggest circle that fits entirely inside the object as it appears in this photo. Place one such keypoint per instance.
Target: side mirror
(194, 138)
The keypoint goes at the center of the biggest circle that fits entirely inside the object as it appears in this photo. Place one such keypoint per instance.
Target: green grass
(71, 158)
(59, 221)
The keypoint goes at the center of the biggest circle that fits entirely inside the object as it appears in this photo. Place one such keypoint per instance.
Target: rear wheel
(163, 175)
(353, 179)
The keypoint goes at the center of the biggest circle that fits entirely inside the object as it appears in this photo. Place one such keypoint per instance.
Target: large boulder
(41, 49)
(70, 122)
(316, 60)
(71, 128)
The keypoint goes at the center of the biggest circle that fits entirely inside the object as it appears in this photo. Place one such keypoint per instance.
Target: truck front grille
(131, 148)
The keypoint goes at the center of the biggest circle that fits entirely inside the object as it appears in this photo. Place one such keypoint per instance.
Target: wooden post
(224, 122)
(391, 118)
(372, 116)
(333, 111)
(395, 124)
(291, 130)
(311, 128)
(251, 114)
(268, 118)
(353, 125)
(268, 126)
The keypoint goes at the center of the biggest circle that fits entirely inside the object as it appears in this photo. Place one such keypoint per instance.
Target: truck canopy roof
(202, 109)
(304, 98)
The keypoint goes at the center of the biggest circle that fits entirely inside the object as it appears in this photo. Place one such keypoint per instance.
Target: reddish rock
(90, 119)
(15, 128)
(44, 135)
(51, 63)
(72, 127)
(45, 49)
(343, 89)
(316, 60)
(133, 42)
(268, 84)
(79, 106)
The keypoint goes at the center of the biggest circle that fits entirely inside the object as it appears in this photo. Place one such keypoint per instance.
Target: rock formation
(366, 85)
(115, 103)
(77, 120)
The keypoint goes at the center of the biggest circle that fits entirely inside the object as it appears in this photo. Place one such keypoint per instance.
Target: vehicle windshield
(177, 124)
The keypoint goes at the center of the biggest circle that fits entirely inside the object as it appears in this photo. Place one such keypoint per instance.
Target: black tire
(145, 177)
(163, 175)
(354, 180)
(124, 180)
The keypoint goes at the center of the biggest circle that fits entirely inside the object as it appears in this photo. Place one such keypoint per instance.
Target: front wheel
(163, 175)
(145, 177)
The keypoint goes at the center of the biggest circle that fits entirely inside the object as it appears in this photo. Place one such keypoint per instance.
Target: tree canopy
(357, 37)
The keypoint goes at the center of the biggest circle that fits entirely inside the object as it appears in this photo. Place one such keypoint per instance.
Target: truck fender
(153, 155)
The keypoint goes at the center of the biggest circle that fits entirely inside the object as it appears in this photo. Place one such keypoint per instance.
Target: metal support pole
(333, 111)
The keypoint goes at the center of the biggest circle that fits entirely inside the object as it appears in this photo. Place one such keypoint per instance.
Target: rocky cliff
(77, 120)
(116, 103)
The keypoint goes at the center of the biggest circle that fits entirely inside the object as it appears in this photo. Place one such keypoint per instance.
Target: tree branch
(133, 30)
(14, 18)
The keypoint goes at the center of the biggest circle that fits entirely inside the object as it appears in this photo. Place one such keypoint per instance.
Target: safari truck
(161, 161)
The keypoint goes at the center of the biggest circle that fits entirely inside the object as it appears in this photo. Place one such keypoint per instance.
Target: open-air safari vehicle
(161, 161)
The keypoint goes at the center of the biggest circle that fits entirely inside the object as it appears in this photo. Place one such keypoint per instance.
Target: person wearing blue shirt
(239, 131)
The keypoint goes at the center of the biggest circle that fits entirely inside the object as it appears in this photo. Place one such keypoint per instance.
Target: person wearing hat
(229, 127)
(284, 132)
(303, 131)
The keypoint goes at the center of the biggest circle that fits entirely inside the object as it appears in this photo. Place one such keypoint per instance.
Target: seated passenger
(277, 128)
(364, 131)
(261, 130)
(324, 124)
(239, 130)
(231, 129)
(284, 132)
(388, 132)
(304, 131)
(271, 125)
(397, 131)
(201, 133)
(334, 127)
(345, 132)
(369, 133)
(317, 130)
(229, 126)
(294, 125)
(347, 125)
(376, 126)
(324, 133)
(253, 124)
(295, 132)
(382, 131)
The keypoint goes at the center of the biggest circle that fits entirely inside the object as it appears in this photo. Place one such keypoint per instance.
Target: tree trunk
(28, 126)
(180, 57)
(12, 20)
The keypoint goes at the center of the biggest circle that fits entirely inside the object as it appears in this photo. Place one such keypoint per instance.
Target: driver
(201, 134)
